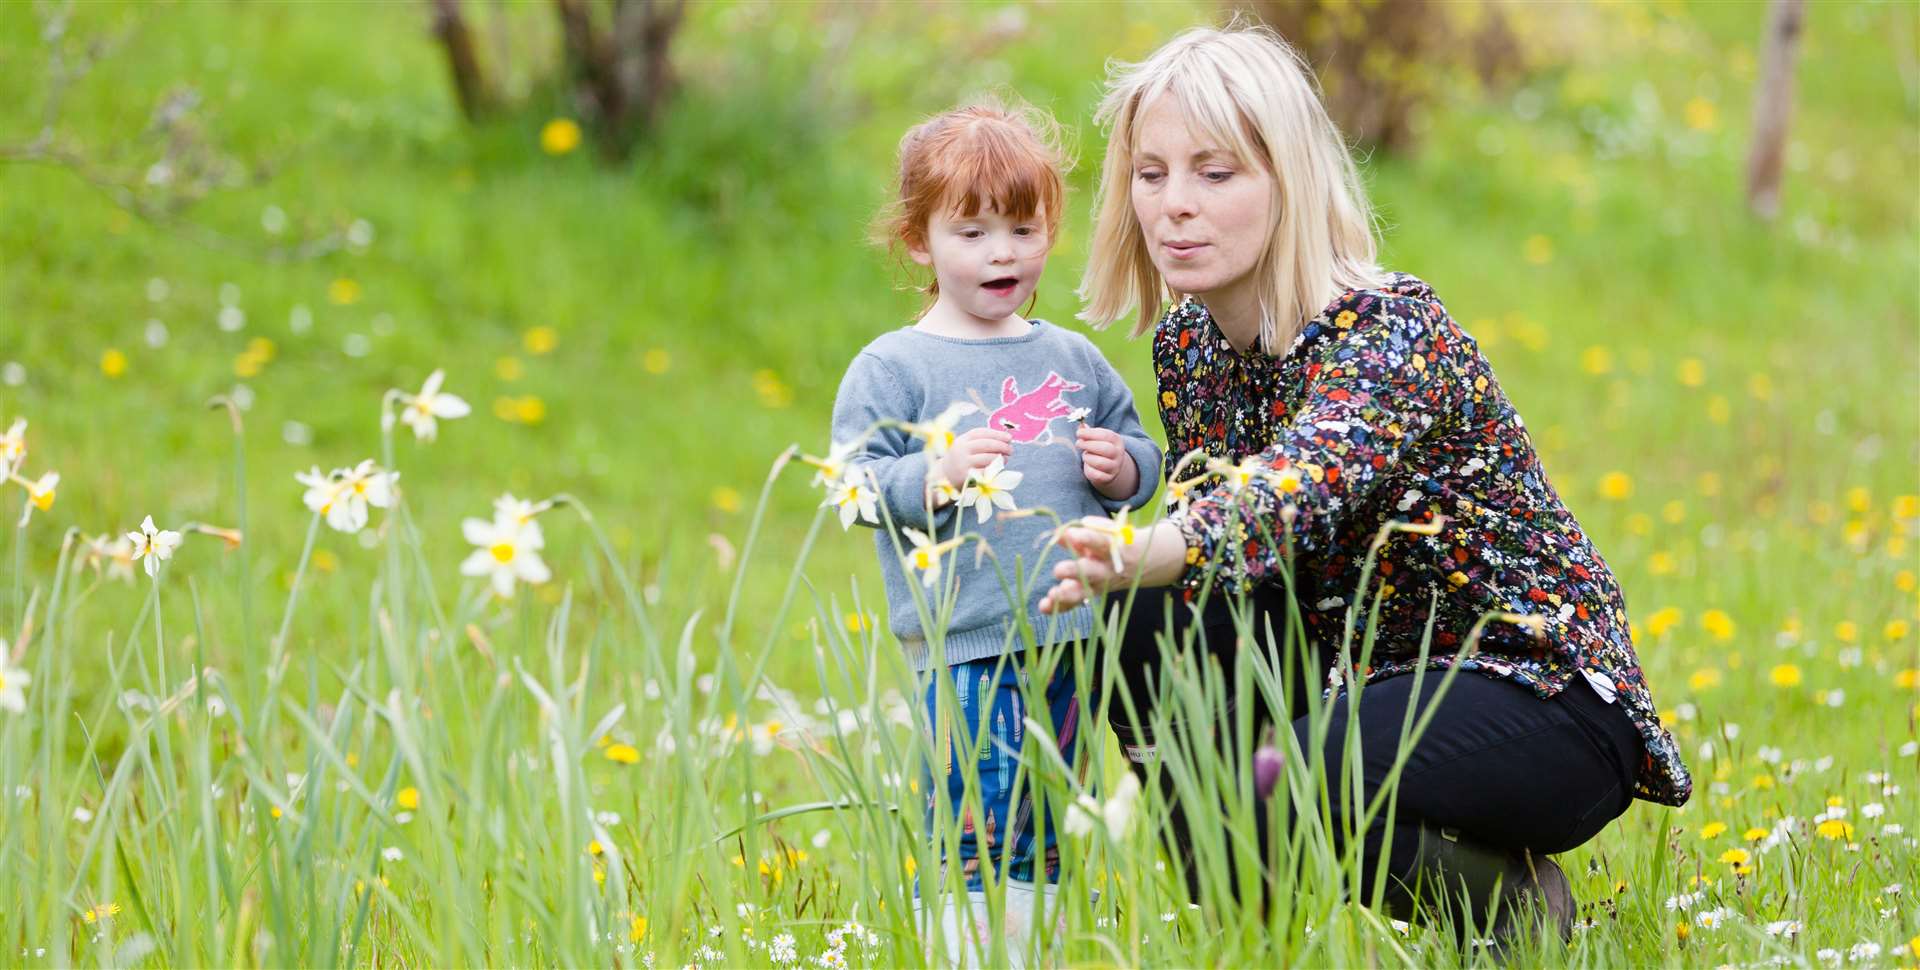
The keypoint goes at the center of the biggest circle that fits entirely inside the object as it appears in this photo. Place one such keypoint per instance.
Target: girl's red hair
(986, 155)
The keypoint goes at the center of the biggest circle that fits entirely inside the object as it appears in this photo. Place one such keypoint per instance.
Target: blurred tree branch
(189, 167)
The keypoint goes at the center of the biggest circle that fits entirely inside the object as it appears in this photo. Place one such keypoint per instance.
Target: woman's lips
(1183, 251)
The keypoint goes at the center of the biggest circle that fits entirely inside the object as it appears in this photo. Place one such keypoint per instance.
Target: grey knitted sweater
(1036, 386)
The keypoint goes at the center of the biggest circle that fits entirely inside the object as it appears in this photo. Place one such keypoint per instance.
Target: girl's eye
(971, 233)
(1023, 231)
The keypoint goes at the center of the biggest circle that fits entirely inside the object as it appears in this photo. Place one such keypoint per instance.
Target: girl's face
(987, 264)
(1205, 213)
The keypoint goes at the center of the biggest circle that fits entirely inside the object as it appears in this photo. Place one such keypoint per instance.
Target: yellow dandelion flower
(1704, 678)
(1906, 679)
(540, 340)
(1538, 250)
(1859, 500)
(1905, 581)
(1762, 783)
(1833, 828)
(625, 754)
(1785, 675)
(1754, 834)
(1596, 360)
(1735, 857)
(1717, 623)
(1666, 619)
(1701, 114)
(343, 292)
(1616, 486)
(560, 136)
(637, 929)
(113, 363)
(1692, 372)
(408, 798)
(726, 500)
(1712, 830)
(1906, 507)
(508, 369)
(656, 361)
(595, 848)
(1894, 630)
(529, 409)
(1846, 631)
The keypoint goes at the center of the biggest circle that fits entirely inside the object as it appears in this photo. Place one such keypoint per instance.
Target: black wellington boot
(1514, 887)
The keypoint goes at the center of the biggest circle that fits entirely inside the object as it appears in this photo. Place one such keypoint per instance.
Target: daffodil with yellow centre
(990, 487)
(924, 557)
(421, 411)
(855, 497)
(939, 433)
(508, 553)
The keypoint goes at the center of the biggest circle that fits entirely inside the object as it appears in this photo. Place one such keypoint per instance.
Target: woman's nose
(1178, 201)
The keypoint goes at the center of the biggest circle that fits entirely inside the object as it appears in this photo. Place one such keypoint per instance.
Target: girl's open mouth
(1002, 286)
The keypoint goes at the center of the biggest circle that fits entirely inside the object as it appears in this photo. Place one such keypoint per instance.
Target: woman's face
(1205, 212)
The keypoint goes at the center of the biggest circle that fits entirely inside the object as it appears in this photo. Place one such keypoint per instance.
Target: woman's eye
(1148, 175)
(1216, 176)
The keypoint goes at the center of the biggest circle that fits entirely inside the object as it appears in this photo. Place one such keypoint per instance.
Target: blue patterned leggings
(989, 693)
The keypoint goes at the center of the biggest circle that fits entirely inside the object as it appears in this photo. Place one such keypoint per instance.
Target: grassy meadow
(315, 746)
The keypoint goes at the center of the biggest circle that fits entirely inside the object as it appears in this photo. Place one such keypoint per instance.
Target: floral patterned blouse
(1384, 410)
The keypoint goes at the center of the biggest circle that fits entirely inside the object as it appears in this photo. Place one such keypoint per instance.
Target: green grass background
(1754, 383)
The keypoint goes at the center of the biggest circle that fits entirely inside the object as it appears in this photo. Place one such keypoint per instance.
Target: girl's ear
(920, 254)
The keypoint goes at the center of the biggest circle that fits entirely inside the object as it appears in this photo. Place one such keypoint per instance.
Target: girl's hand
(974, 449)
(1105, 462)
(1157, 556)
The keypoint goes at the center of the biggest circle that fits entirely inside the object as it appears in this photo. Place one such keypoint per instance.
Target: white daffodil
(830, 472)
(924, 557)
(939, 433)
(855, 497)
(344, 494)
(990, 487)
(421, 411)
(116, 552)
(152, 545)
(1180, 492)
(120, 557)
(1114, 814)
(13, 684)
(1239, 475)
(13, 447)
(509, 552)
(40, 492)
(1118, 532)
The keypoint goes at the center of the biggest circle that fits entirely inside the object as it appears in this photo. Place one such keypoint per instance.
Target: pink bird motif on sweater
(1029, 416)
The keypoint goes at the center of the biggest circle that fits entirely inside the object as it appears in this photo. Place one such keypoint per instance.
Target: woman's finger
(1064, 595)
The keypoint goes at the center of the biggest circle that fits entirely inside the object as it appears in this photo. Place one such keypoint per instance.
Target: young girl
(1004, 414)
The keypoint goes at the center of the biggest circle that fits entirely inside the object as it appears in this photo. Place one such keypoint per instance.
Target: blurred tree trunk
(624, 72)
(469, 83)
(1380, 61)
(621, 70)
(1773, 106)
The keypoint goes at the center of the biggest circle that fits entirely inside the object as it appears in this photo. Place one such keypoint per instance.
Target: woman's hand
(1157, 555)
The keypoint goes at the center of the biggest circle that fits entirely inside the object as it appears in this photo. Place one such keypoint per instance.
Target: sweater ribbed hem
(995, 639)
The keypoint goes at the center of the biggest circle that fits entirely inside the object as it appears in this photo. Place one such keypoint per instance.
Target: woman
(1359, 402)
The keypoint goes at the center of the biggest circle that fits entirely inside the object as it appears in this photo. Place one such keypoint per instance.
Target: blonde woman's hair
(1253, 94)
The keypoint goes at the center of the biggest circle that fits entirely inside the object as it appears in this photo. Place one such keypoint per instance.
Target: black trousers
(1497, 764)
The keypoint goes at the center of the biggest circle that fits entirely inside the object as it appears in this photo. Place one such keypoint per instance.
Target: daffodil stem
(19, 568)
(159, 630)
(279, 644)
